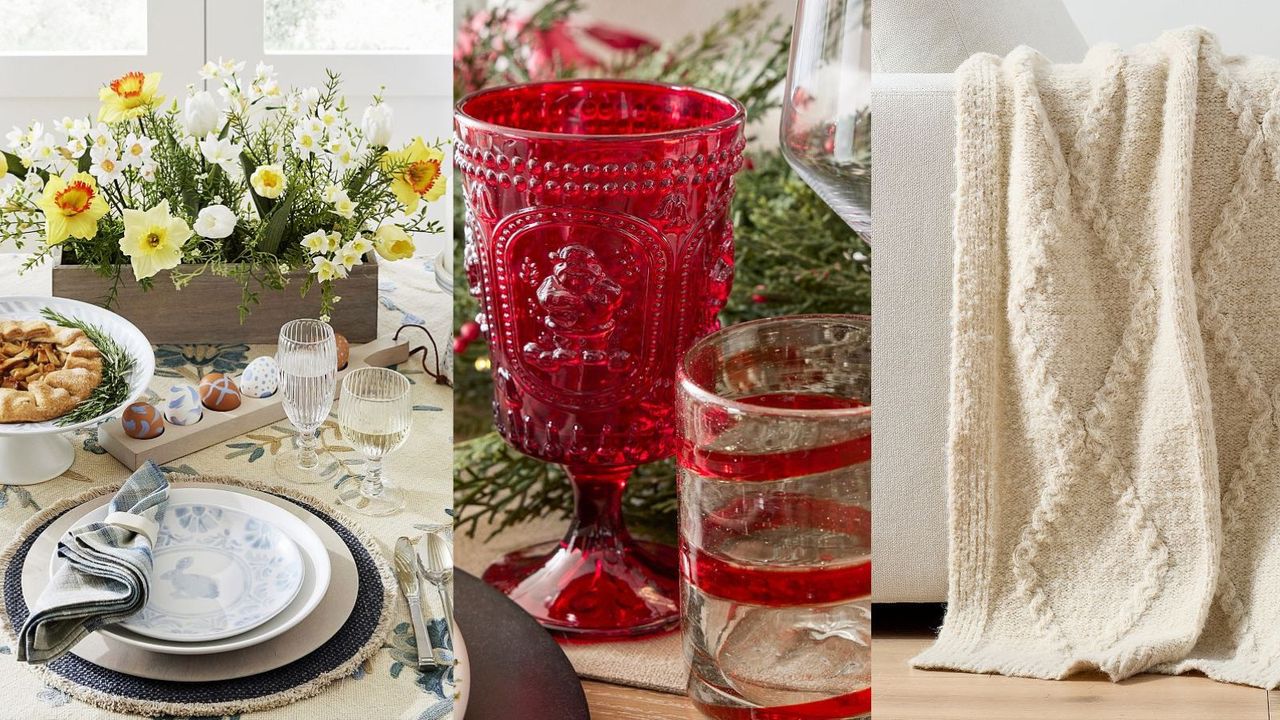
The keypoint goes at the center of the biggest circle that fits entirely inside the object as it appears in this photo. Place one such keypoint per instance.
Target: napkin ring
(137, 523)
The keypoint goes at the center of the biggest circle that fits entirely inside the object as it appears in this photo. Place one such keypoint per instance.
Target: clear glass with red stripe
(774, 447)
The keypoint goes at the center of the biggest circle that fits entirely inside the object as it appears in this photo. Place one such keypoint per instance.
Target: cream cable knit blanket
(1114, 482)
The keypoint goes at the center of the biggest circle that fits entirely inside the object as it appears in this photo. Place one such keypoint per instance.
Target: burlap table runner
(386, 686)
(655, 663)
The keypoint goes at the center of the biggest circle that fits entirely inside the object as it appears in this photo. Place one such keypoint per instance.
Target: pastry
(45, 370)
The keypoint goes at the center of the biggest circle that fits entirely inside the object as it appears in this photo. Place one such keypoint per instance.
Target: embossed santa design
(579, 300)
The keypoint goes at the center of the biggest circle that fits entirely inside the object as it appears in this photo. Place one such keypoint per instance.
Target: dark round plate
(517, 671)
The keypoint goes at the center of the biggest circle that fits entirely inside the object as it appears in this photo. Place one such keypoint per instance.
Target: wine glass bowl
(826, 109)
(375, 416)
(600, 246)
(307, 355)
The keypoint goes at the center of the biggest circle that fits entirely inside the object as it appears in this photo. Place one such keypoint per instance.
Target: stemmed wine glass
(600, 244)
(826, 111)
(308, 358)
(375, 414)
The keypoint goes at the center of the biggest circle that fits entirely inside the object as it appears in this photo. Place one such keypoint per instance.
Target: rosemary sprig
(117, 366)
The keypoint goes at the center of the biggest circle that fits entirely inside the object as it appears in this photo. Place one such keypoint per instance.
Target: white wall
(1244, 26)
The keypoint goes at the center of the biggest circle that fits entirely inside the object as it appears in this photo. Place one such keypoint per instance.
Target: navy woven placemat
(333, 654)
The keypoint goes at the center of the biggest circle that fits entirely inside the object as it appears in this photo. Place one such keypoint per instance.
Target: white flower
(232, 95)
(43, 152)
(215, 222)
(376, 124)
(306, 143)
(100, 137)
(220, 152)
(17, 137)
(340, 152)
(33, 183)
(264, 82)
(326, 269)
(361, 244)
(137, 150)
(314, 126)
(76, 146)
(342, 205)
(349, 255)
(221, 69)
(147, 172)
(73, 128)
(310, 97)
(328, 117)
(316, 242)
(200, 116)
(332, 241)
(107, 166)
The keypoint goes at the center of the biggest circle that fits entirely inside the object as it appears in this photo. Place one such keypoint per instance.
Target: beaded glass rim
(738, 116)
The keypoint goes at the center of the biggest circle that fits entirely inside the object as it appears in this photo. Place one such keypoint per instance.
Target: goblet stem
(597, 581)
(307, 457)
(371, 485)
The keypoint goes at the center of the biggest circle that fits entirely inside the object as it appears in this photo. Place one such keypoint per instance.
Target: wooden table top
(616, 702)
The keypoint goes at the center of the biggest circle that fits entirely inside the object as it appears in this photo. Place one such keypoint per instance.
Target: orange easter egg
(344, 350)
(219, 392)
(142, 421)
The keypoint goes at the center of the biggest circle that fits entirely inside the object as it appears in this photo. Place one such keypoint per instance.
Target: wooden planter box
(206, 310)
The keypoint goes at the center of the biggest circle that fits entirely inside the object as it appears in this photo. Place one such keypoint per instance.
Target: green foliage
(117, 366)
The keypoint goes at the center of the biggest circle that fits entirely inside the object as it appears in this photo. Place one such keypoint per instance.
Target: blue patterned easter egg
(182, 405)
(261, 378)
(142, 421)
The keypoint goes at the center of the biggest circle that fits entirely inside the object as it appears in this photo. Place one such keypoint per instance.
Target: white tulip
(201, 116)
(215, 222)
(376, 124)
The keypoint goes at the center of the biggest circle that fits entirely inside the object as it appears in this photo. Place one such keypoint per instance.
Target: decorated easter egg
(261, 378)
(344, 350)
(219, 392)
(182, 405)
(142, 421)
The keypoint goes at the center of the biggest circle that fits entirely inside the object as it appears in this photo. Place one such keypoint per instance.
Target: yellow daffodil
(268, 181)
(153, 239)
(393, 243)
(71, 209)
(325, 269)
(129, 96)
(415, 173)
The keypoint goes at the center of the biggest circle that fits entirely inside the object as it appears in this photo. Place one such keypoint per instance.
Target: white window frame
(74, 75)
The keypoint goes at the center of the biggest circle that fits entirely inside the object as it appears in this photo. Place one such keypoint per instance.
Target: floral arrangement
(251, 183)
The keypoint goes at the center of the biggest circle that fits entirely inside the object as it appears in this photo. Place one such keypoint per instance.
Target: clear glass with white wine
(374, 415)
(308, 358)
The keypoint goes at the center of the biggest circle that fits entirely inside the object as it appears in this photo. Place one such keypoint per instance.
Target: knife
(405, 562)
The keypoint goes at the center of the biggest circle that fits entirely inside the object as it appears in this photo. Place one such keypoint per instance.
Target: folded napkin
(107, 574)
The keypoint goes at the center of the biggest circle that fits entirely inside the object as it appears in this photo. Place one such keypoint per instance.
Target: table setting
(253, 576)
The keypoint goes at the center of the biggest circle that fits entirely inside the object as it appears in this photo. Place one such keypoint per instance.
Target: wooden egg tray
(218, 427)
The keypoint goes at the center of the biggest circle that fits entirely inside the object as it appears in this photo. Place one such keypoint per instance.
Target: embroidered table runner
(1114, 487)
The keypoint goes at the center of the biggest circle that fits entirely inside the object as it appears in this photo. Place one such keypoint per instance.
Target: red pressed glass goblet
(600, 246)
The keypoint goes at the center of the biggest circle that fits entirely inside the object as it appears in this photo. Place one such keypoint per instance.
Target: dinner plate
(313, 571)
(317, 627)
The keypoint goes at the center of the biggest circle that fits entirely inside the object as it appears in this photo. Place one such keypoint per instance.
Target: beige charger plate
(321, 624)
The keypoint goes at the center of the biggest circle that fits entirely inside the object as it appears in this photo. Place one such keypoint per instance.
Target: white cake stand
(35, 452)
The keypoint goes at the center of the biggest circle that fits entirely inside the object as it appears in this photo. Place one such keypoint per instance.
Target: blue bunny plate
(219, 571)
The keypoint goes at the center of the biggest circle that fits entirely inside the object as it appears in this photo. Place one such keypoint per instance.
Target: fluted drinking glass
(375, 414)
(308, 358)
(826, 110)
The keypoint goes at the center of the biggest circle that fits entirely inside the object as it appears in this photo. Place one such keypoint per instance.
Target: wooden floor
(902, 693)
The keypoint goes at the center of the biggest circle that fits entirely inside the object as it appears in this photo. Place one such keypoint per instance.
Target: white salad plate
(266, 569)
(33, 452)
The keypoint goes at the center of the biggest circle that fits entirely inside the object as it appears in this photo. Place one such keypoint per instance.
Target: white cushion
(913, 145)
(935, 36)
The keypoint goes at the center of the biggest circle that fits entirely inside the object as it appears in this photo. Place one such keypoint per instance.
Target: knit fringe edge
(150, 708)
